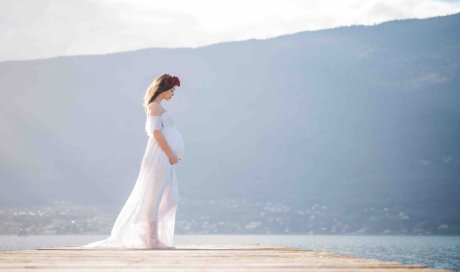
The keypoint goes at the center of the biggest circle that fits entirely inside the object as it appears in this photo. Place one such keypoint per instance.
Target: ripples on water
(433, 251)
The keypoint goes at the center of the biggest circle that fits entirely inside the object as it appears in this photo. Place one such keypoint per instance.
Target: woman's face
(170, 93)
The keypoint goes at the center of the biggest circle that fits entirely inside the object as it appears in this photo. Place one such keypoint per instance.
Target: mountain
(350, 117)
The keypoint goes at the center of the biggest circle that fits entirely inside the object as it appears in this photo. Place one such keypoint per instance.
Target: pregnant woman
(147, 218)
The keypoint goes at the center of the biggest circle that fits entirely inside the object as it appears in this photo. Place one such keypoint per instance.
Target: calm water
(433, 251)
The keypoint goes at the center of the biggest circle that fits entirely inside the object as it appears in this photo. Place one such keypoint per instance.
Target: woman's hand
(173, 159)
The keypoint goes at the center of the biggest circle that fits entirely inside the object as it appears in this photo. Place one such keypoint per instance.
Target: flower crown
(171, 82)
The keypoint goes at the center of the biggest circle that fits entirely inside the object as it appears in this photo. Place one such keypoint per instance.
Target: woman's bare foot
(159, 244)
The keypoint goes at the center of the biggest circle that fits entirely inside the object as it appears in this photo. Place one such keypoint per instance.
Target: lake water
(433, 251)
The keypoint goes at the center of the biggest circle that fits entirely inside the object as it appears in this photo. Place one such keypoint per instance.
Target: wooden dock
(191, 257)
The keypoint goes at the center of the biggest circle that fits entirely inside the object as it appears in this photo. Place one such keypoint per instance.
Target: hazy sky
(32, 29)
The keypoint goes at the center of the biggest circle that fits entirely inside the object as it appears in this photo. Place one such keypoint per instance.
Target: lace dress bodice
(165, 120)
(166, 123)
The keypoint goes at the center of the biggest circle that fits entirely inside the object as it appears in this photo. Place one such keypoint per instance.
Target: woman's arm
(155, 110)
(161, 140)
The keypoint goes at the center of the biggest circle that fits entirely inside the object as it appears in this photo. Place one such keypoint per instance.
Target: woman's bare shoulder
(154, 108)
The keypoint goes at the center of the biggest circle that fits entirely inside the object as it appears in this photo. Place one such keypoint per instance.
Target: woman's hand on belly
(173, 159)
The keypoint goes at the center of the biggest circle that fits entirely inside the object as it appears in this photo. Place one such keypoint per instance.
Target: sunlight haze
(43, 29)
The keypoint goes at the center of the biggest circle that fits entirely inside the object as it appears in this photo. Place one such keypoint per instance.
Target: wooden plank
(191, 257)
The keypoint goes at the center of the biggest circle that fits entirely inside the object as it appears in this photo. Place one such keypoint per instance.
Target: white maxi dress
(147, 218)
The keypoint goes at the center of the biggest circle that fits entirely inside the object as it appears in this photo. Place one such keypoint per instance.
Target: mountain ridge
(341, 118)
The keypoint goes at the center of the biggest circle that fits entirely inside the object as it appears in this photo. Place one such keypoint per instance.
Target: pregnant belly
(175, 141)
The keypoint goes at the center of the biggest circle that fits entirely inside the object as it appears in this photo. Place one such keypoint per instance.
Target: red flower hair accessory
(171, 82)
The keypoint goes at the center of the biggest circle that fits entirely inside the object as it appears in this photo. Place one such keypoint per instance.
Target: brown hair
(156, 88)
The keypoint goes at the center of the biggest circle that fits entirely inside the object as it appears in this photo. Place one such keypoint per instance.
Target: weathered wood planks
(188, 257)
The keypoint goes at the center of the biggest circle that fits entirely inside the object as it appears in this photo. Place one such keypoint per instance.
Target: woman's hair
(160, 84)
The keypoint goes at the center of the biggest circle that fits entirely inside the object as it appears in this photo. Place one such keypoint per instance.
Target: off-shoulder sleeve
(153, 123)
